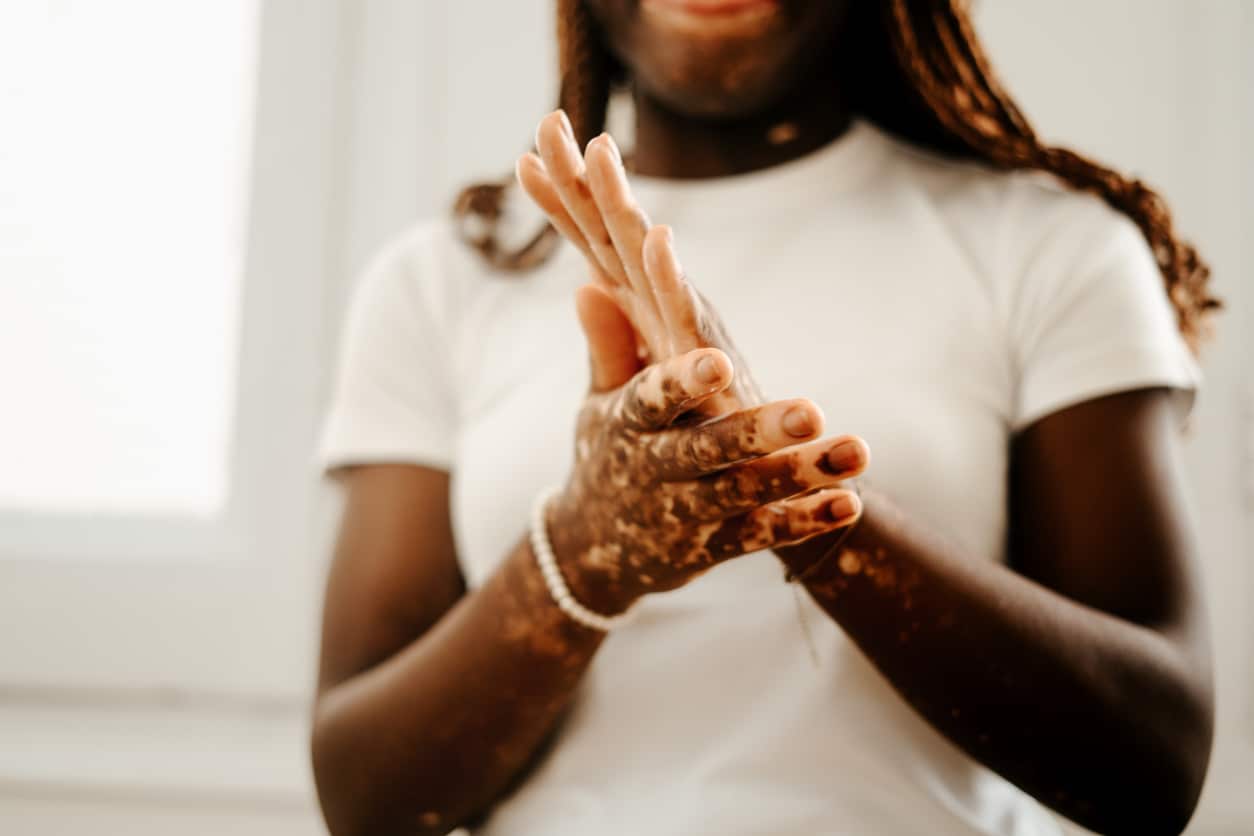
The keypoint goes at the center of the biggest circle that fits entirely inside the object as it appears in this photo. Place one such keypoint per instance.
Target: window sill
(236, 754)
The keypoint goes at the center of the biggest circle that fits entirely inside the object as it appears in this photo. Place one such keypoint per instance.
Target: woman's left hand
(588, 200)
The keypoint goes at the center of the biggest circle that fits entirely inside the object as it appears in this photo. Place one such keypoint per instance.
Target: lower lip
(714, 8)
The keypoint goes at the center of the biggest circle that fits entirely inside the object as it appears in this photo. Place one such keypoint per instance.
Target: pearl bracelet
(553, 579)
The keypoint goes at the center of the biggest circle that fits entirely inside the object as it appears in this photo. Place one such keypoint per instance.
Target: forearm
(1097, 717)
(430, 737)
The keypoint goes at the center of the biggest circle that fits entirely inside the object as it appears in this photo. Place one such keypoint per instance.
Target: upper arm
(394, 572)
(389, 436)
(1098, 510)
(1097, 504)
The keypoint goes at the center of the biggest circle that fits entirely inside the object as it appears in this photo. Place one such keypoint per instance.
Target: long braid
(586, 71)
(934, 86)
(937, 48)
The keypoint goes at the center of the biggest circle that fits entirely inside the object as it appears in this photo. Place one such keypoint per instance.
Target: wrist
(594, 583)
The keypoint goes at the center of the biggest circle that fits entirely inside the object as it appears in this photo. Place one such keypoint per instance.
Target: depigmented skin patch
(655, 500)
(850, 562)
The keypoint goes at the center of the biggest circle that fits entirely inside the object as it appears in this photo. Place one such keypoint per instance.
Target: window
(170, 246)
(128, 128)
(167, 175)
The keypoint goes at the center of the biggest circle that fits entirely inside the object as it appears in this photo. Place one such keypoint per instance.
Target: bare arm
(1081, 672)
(406, 737)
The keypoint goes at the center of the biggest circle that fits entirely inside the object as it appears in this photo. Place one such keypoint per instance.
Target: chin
(719, 59)
(719, 81)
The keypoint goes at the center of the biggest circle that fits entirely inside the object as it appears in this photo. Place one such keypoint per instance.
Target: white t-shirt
(933, 307)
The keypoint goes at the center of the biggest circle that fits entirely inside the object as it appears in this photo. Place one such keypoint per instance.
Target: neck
(675, 146)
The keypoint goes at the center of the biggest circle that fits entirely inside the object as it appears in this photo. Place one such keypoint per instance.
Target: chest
(890, 352)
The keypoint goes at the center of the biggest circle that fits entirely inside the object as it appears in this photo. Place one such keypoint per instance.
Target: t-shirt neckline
(840, 165)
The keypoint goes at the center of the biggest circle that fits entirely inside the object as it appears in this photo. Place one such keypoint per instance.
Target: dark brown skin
(1080, 671)
(714, 83)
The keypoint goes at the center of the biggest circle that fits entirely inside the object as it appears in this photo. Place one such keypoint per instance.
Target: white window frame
(197, 640)
(132, 604)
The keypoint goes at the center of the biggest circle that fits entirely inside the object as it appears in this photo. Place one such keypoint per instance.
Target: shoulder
(1018, 221)
(430, 260)
(426, 274)
(427, 286)
(426, 262)
(1073, 281)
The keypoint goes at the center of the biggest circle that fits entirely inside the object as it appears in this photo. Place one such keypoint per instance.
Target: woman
(1004, 618)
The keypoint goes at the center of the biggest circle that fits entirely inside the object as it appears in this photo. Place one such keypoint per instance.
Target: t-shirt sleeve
(1093, 318)
(392, 401)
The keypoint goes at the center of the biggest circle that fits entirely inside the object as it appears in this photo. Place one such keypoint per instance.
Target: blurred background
(187, 190)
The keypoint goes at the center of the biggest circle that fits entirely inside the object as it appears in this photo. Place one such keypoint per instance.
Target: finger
(611, 338)
(676, 301)
(625, 221)
(785, 523)
(655, 397)
(761, 481)
(684, 453)
(680, 308)
(539, 187)
(566, 170)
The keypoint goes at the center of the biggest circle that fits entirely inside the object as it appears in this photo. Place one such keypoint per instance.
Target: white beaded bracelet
(553, 579)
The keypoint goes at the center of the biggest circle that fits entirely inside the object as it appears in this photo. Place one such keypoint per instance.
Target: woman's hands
(652, 502)
(589, 202)
(684, 506)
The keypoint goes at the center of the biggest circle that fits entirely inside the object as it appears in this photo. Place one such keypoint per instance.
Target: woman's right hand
(655, 500)
(588, 199)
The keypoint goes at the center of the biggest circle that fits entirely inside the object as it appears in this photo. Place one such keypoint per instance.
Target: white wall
(1166, 89)
(430, 94)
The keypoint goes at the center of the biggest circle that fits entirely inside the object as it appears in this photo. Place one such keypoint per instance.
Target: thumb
(611, 338)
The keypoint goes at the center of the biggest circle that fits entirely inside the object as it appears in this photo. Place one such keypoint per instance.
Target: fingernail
(566, 126)
(845, 456)
(798, 422)
(845, 506)
(707, 370)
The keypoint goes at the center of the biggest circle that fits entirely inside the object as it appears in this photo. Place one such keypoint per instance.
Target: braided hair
(922, 76)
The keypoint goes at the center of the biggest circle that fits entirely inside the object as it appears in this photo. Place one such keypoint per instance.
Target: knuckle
(783, 526)
(724, 549)
(659, 451)
(700, 451)
(741, 436)
(562, 175)
(626, 405)
(640, 411)
(762, 533)
(634, 217)
(681, 505)
(674, 392)
(740, 488)
(605, 249)
(618, 203)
